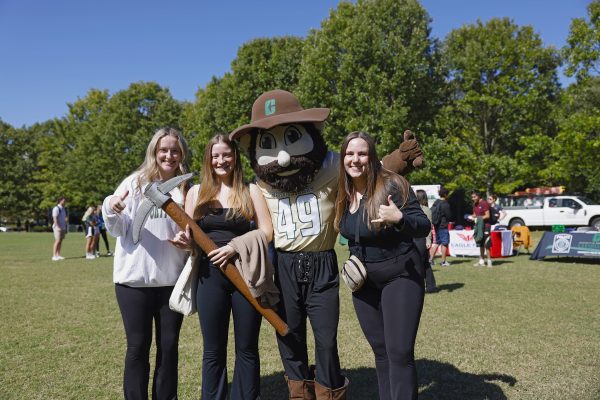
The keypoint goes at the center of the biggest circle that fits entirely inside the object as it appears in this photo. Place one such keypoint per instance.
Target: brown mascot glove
(407, 157)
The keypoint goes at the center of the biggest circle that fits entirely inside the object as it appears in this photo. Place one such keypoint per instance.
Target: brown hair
(240, 202)
(422, 197)
(380, 183)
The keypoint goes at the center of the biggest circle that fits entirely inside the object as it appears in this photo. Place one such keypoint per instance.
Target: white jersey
(303, 220)
(153, 261)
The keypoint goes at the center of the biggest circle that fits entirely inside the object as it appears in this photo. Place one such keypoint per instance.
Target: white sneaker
(90, 256)
(56, 258)
(481, 263)
(489, 263)
(445, 264)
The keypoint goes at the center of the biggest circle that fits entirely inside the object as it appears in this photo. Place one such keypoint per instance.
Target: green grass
(521, 330)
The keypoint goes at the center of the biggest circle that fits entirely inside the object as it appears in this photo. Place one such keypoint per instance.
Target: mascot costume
(298, 176)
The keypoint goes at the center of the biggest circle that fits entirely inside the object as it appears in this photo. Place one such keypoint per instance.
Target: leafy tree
(577, 145)
(18, 157)
(102, 139)
(374, 64)
(504, 87)
(226, 103)
(582, 53)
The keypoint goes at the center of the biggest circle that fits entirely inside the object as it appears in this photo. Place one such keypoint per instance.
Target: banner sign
(574, 244)
(462, 243)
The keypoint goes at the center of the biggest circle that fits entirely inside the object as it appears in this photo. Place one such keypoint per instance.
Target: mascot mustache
(270, 173)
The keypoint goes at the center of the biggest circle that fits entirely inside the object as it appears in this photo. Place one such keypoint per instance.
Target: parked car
(555, 210)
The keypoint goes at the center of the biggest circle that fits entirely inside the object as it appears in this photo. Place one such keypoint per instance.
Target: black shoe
(432, 290)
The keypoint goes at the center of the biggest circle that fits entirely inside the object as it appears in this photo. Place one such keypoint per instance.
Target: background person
(497, 213)
(90, 224)
(424, 245)
(388, 216)
(225, 207)
(101, 231)
(145, 273)
(481, 218)
(59, 227)
(442, 235)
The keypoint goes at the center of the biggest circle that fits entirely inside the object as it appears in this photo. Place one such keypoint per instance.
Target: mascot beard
(299, 149)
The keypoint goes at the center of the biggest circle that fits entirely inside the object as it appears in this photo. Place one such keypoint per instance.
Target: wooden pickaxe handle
(231, 272)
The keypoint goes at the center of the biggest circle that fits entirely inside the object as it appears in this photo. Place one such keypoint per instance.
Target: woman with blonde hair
(145, 272)
(377, 211)
(90, 225)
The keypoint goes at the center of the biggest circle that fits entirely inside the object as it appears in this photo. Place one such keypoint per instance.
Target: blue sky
(53, 52)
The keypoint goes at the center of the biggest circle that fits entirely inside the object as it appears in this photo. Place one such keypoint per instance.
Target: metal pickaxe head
(156, 194)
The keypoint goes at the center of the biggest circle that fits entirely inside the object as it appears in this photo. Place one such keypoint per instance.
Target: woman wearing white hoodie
(145, 273)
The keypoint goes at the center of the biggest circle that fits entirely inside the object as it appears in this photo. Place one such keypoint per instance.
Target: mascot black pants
(309, 285)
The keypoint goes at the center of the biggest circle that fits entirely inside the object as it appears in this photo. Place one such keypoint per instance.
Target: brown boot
(324, 393)
(301, 390)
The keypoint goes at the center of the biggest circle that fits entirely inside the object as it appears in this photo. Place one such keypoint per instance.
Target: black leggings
(217, 298)
(139, 308)
(105, 238)
(389, 317)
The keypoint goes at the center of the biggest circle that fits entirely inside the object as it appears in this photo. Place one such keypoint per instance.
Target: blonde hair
(149, 171)
(240, 202)
(90, 210)
(380, 183)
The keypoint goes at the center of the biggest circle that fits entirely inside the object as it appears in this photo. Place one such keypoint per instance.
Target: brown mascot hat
(278, 107)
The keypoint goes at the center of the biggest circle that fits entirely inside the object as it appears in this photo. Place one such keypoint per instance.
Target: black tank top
(222, 230)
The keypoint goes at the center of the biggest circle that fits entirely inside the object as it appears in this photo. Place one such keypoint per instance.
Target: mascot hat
(278, 107)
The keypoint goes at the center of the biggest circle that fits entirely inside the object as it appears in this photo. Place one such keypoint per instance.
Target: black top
(445, 213)
(388, 242)
(222, 230)
(495, 213)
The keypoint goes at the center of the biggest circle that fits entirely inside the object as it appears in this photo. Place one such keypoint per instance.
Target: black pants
(105, 238)
(309, 286)
(139, 308)
(421, 244)
(217, 298)
(389, 312)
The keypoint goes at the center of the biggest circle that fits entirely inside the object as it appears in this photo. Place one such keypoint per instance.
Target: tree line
(486, 104)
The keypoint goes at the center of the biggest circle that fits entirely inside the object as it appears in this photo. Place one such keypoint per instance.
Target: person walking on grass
(59, 227)
(441, 215)
(424, 245)
(90, 224)
(145, 273)
(481, 219)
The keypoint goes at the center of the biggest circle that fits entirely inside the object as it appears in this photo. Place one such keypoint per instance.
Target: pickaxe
(157, 194)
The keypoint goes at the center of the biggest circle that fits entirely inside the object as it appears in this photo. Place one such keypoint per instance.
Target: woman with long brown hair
(226, 207)
(377, 211)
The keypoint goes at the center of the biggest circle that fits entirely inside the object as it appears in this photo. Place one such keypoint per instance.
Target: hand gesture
(405, 158)
(389, 214)
(117, 203)
(220, 256)
(183, 239)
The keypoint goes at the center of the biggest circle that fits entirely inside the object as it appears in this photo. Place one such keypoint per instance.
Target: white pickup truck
(555, 210)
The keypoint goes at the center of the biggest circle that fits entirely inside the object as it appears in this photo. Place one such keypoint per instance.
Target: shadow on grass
(450, 287)
(437, 380)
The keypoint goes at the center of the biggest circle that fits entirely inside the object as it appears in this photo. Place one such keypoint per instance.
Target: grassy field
(521, 330)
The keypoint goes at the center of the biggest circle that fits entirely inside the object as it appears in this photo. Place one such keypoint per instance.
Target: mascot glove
(407, 157)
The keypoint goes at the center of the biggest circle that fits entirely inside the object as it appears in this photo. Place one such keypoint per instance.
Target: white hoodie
(153, 261)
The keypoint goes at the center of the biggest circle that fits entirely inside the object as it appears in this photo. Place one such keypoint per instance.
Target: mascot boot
(301, 390)
(324, 393)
